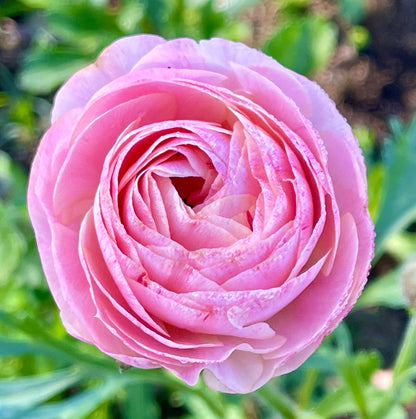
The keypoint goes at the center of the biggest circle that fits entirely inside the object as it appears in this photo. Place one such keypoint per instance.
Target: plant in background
(45, 373)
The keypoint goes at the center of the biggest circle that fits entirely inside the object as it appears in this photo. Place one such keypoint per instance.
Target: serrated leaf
(367, 363)
(398, 207)
(339, 402)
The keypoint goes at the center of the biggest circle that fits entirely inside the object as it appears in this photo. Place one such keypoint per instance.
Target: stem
(402, 370)
(408, 348)
(72, 352)
(211, 399)
(33, 329)
(394, 394)
(280, 402)
(306, 389)
(351, 376)
(216, 408)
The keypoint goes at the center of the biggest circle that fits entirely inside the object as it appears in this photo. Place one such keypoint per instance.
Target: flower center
(190, 189)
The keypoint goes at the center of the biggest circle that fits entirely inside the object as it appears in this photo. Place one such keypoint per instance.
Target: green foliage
(358, 36)
(352, 10)
(18, 395)
(20, 265)
(385, 291)
(46, 374)
(79, 405)
(398, 206)
(75, 32)
(44, 70)
(139, 397)
(304, 45)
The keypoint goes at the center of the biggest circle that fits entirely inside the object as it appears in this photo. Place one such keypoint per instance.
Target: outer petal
(114, 61)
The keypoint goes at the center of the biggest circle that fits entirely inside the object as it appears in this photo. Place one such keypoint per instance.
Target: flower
(197, 206)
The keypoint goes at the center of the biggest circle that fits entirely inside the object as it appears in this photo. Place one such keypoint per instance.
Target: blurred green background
(364, 55)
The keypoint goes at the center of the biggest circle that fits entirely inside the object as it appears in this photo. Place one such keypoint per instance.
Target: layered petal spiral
(199, 207)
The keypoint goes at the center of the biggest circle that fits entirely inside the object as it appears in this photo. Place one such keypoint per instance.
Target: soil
(379, 81)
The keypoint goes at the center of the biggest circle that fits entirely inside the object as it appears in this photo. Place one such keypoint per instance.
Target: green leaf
(80, 405)
(340, 402)
(233, 7)
(375, 178)
(342, 338)
(13, 181)
(11, 247)
(155, 12)
(402, 391)
(37, 3)
(367, 363)
(20, 394)
(398, 207)
(352, 10)
(10, 346)
(322, 360)
(303, 45)
(84, 26)
(401, 246)
(384, 291)
(351, 376)
(335, 403)
(46, 70)
(12, 8)
(140, 397)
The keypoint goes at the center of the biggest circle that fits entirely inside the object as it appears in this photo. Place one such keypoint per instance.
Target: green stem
(280, 402)
(307, 387)
(407, 351)
(394, 394)
(352, 378)
(212, 399)
(216, 407)
(403, 371)
(71, 351)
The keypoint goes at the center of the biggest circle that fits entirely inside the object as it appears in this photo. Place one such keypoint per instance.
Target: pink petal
(114, 61)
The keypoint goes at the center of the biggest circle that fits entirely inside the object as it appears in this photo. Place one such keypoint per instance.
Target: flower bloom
(197, 206)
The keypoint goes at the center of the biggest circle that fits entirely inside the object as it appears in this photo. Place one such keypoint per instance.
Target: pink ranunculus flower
(199, 207)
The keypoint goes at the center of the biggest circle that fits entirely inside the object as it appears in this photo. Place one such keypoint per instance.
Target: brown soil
(380, 81)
